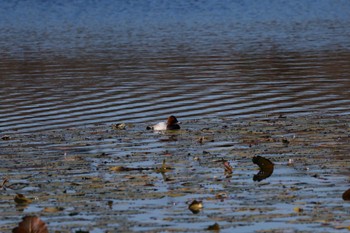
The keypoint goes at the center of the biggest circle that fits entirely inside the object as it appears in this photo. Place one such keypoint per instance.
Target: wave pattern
(40, 96)
(120, 61)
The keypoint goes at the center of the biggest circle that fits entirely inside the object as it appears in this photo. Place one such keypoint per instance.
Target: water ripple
(264, 89)
(215, 62)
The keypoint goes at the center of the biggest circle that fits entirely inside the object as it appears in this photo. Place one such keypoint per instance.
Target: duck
(171, 124)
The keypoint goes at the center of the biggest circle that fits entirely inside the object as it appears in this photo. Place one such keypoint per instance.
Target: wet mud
(268, 174)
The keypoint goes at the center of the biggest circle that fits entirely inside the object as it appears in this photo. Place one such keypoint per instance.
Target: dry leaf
(214, 227)
(285, 141)
(221, 196)
(118, 169)
(342, 227)
(163, 169)
(266, 168)
(21, 199)
(298, 209)
(121, 126)
(53, 209)
(346, 195)
(201, 140)
(6, 137)
(195, 206)
(3, 185)
(31, 224)
(228, 168)
(173, 194)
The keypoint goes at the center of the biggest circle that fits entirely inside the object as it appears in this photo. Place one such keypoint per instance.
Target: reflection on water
(71, 64)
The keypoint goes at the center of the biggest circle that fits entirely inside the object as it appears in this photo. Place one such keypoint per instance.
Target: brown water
(50, 93)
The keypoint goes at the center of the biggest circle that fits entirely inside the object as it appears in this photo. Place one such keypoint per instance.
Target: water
(74, 63)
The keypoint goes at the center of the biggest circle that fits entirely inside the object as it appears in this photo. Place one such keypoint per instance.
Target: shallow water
(72, 169)
(70, 69)
(81, 63)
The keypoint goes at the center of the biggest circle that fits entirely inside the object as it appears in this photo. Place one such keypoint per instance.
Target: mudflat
(124, 178)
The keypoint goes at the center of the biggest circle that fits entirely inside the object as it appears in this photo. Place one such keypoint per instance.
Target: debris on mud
(6, 137)
(100, 180)
(266, 168)
(121, 126)
(164, 168)
(228, 169)
(195, 206)
(214, 227)
(31, 224)
(20, 199)
(3, 186)
(346, 195)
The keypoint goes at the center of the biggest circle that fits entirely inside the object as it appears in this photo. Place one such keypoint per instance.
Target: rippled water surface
(76, 63)
(68, 64)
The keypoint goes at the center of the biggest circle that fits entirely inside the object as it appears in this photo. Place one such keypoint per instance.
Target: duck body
(171, 124)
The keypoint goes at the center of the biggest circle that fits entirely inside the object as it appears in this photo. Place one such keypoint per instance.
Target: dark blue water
(67, 27)
(70, 63)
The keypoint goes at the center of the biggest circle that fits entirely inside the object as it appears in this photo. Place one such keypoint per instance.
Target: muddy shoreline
(74, 180)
